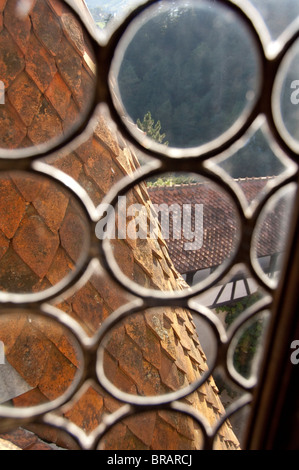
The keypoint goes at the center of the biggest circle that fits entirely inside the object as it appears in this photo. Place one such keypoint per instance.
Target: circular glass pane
(41, 360)
(277, 15)
(171, 232)
(246, 348)
(43, 233)
(271, 235)
(47, 72)
(161, 430)
(255, 164)
(109, 14)
(155, 353)
(183, 74)
(286, 98)
(238, 422)
(231, 297)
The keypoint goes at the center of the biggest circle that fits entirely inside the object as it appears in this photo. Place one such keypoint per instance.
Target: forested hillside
(195, 73)
(192, 71)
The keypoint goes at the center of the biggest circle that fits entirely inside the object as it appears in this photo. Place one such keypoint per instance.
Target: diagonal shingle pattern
(48, 80)
(219, 226)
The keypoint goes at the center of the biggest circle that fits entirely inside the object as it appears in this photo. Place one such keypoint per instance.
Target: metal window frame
(274, 419)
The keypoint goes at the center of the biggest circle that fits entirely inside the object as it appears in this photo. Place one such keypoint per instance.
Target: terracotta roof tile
(46, 27)
(12, 208)
(19, 29)
(220, 226)
(46, 125)
(22, 439)
(119, 378)
(2, 5)
(139, 332)
(11, 58)
(69, 65)
(59, 95)
(13, 130)
(4, 244)
(143, 426)
(167, 438)
(25, 97)
(170, 374)
(51, 204)
(72, 223)
(88, 305)
(82, 414)
(40, 65)
(15, 275)
(39, 254)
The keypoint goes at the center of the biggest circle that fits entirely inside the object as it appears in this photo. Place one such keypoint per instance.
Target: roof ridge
(201, 183)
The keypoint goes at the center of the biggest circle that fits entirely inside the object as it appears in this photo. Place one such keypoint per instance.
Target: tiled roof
(48, 79)
(219, 226)
(22, 439)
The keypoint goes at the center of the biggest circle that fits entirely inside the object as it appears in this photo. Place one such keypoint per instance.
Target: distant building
(220, 234)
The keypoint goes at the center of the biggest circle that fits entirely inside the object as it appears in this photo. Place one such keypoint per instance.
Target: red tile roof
(220, 223)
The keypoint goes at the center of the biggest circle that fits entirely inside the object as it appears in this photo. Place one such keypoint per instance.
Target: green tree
(184, 74)
(152, 129)
(101, 17)
(249, 341)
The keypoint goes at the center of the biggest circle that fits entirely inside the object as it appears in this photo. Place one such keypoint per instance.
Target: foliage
(248, 343)
(151, 129)
(100, 17)
(194, 74)
(190, 89)
(171, 179)
(234, 309)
